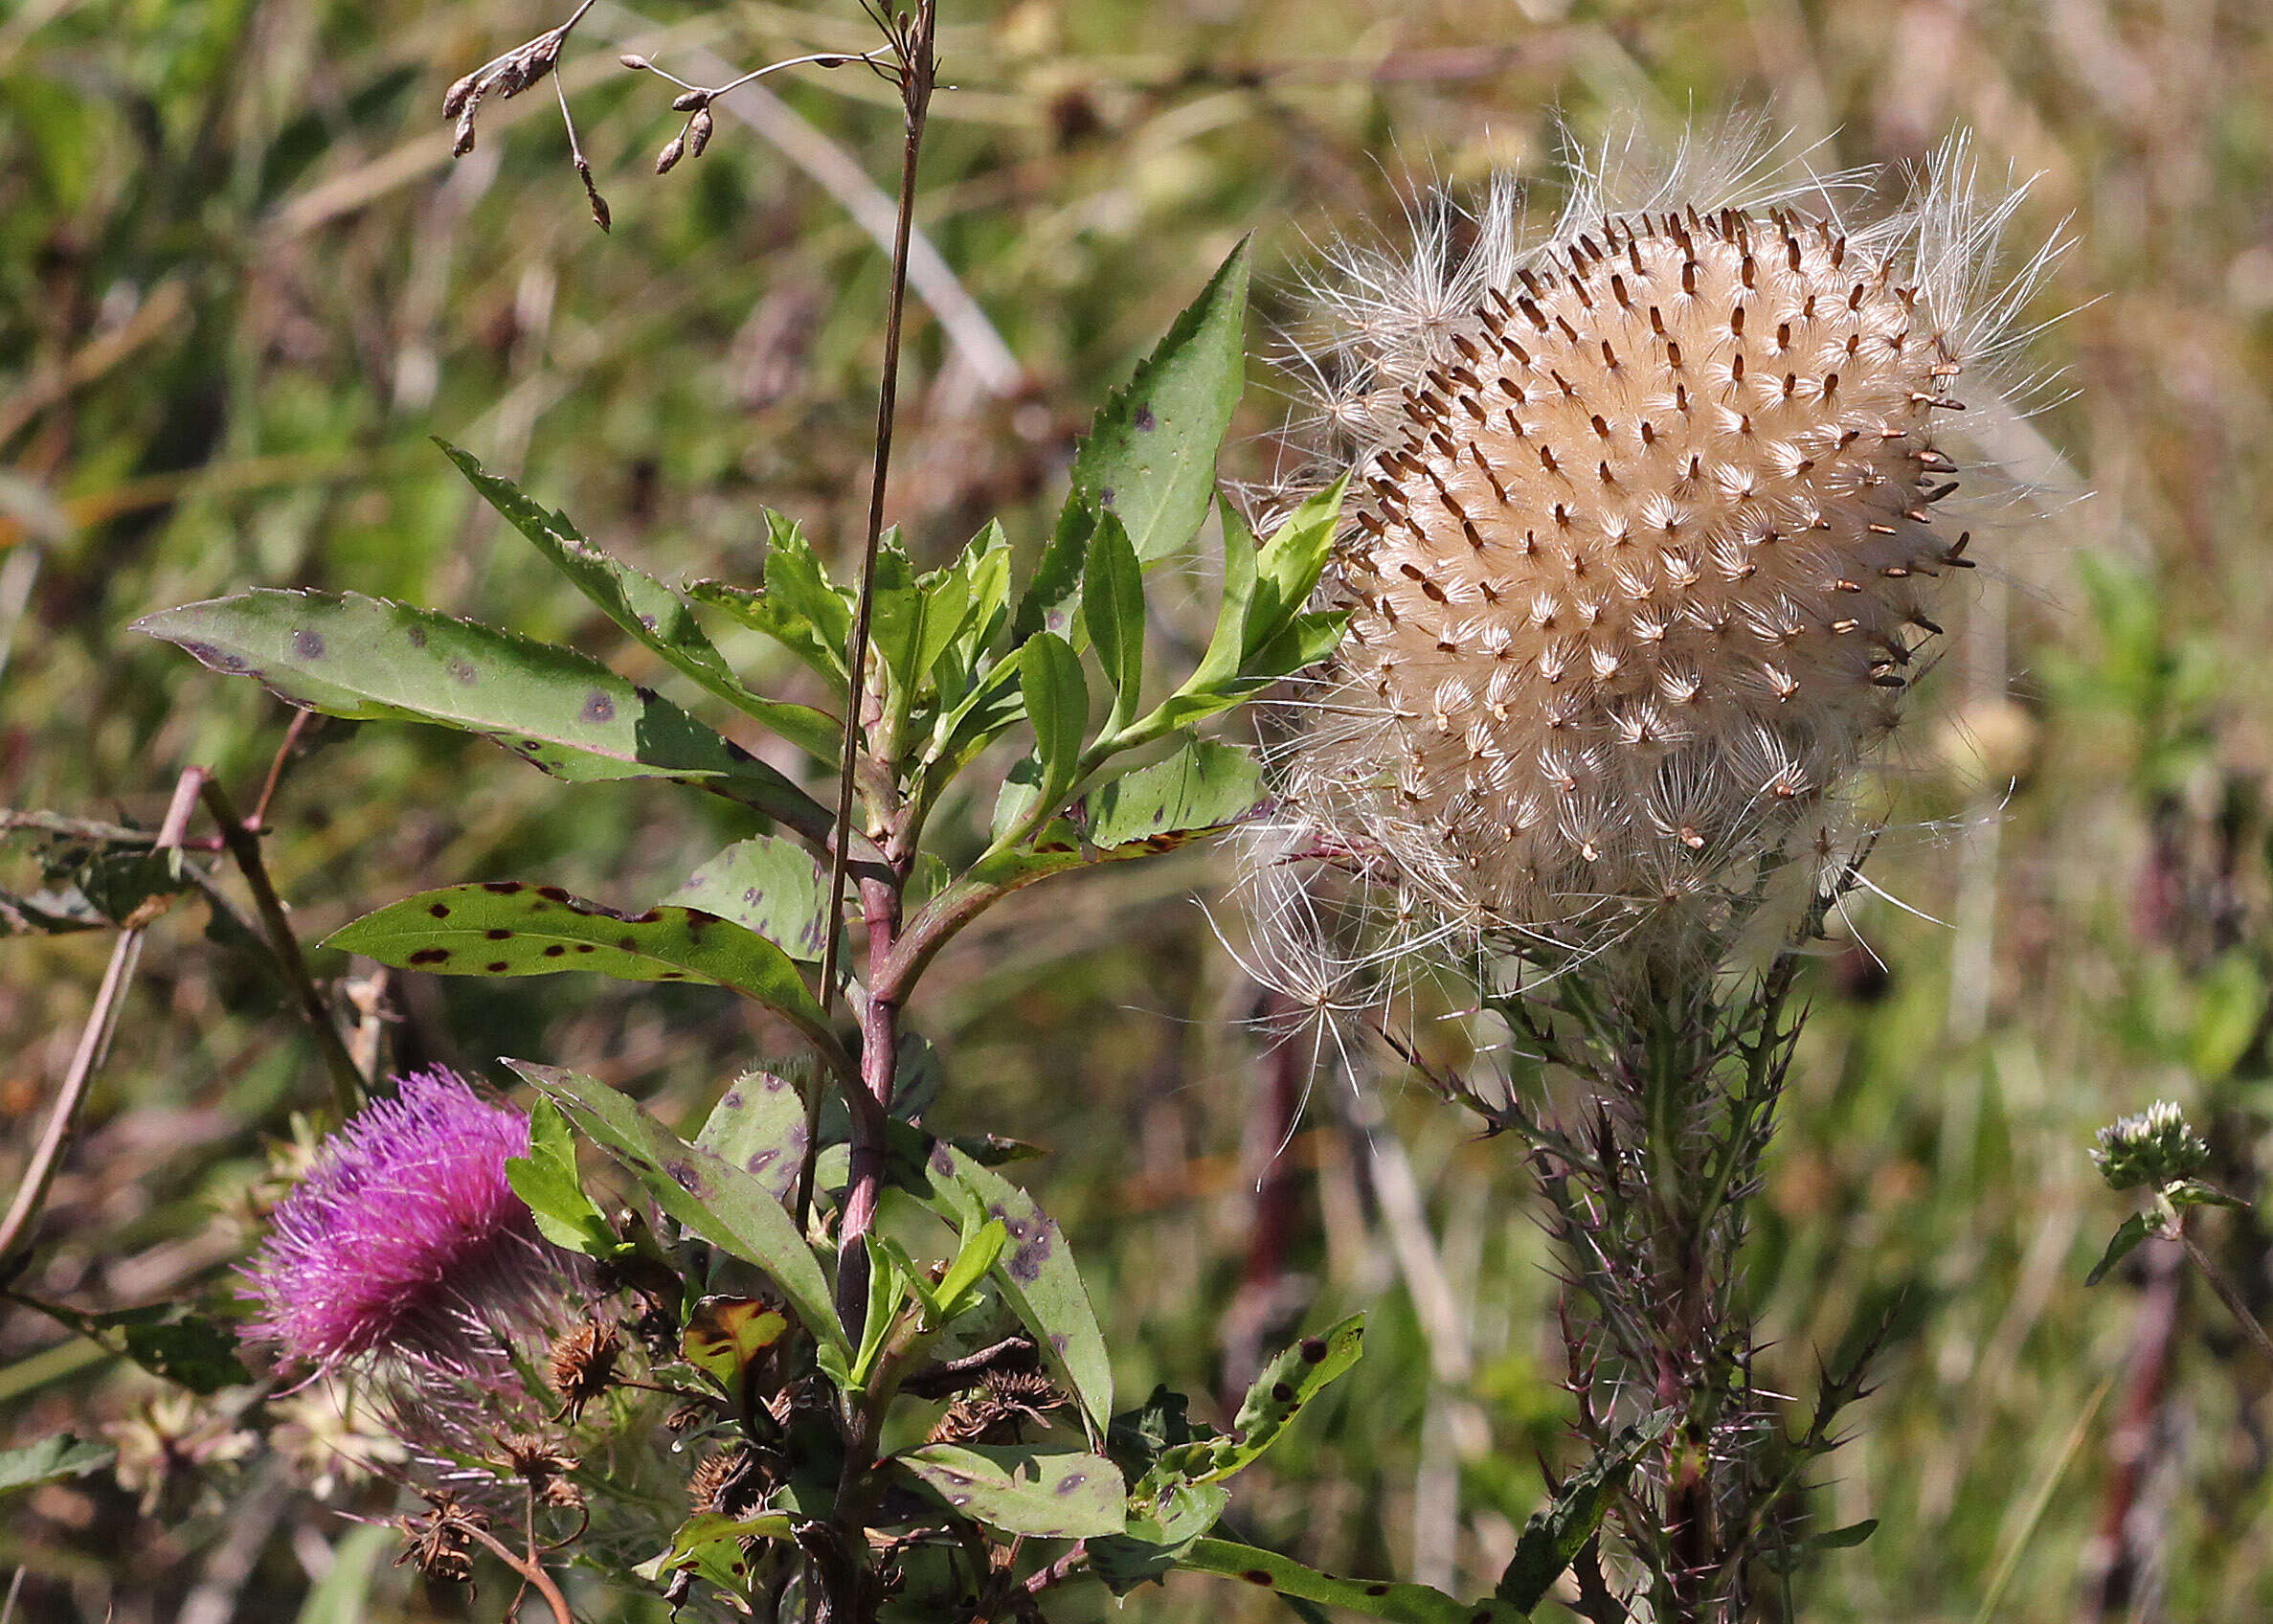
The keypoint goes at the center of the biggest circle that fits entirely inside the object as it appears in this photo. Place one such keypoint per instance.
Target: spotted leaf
(511, 928)
(1016, 1489)
(368, 660)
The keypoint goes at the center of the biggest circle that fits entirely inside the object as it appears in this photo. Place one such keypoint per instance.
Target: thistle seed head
(1645, 535)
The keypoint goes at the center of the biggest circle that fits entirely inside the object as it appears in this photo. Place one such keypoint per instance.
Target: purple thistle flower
(404, 1241)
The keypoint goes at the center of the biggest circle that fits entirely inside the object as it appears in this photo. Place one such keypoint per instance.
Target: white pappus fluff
(1648, 519)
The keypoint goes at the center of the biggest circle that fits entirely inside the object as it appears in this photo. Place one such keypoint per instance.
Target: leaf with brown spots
(1017, 1489)
(1287, 1383)
(510, 928)
(1406, 1604)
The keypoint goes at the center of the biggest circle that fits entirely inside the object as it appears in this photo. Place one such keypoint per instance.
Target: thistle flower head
(2154, 1148)
(1645, 536)
(404, 1243)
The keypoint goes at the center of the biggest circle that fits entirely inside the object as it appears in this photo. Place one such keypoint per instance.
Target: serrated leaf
(758, 1125)
(710, 1547)
(1160, 1529)
(2120, 1246)
(366, 659)
(768, 885)
(724, 1334)
(1553, 1536)
(649, 611)
(1203, 785)
(50, 1460)
(1406, 1604)
(707, 1194)
(797, 606)
(511, 928)
(1113, 609)
(1052, 602)
(1150, 457)
(896, 615)
(1020, 1489)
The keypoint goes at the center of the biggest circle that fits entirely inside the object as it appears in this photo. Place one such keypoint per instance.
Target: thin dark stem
(916, 67)
(244, 847)
(2227, 1295)
(93, 1039)
(257, 822)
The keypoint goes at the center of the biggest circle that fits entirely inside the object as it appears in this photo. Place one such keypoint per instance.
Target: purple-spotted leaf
(1037, 1275)
(1150, 458)
(1017, 1489)
(511, 928)
(768, 885)
(650, 611)
(759, 1127)
(708, 1195)
(366, 659)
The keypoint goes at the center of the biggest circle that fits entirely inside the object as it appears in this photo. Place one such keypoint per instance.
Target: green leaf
(1203, 785)
(797, 606)
(1288, 567)
(1406, 1604)
(649, 611)
(758, 1125)
(1019, 1489)
(2194, 1192)
(1161, 1529)
(169, 1340)
(53, 1458)
(1057, 699)
(980, 1250)
(1052, 602)
(710, 1547)
(546, 1182)
(2133, 1229)
(768, 885)
(707, 1194)
(1113, 609)
(1040, 1280)
(511, 928)
(1227, 647)
(1557, 1530)
(1150, 458)
(896, 617)
(369, 659)
(1291, 1380)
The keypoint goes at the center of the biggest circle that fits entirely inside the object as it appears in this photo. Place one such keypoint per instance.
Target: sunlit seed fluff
(1643, 537)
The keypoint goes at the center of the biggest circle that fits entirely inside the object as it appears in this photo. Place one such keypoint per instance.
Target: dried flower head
(1645, 535)
(404, 1245)
(583, 1364)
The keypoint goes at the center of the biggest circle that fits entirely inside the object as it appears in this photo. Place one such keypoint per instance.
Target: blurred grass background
(240, 281)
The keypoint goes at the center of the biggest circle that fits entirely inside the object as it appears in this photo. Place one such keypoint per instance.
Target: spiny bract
(1641, 548)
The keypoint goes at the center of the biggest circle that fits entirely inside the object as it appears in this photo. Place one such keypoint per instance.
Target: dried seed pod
(583, 1364)
(698, 133)
(1680, 573)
